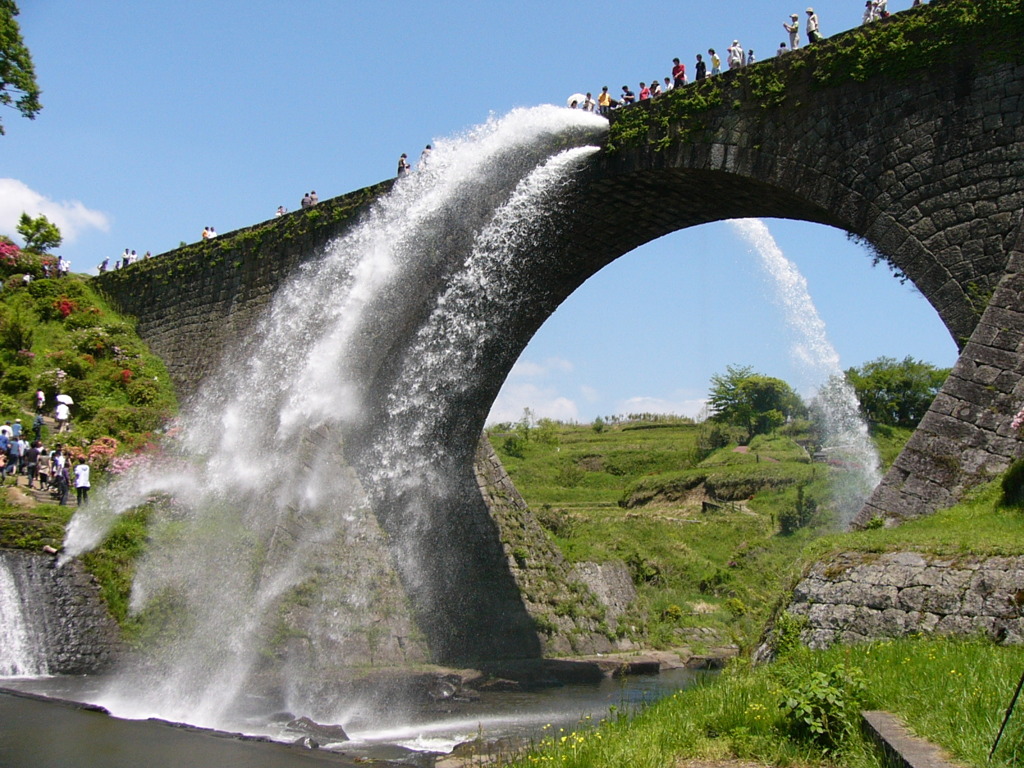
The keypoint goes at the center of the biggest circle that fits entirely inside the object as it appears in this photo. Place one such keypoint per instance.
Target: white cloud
(590, 394)
(529, 369)
(691, 407)
(544, 402)
(71, 217)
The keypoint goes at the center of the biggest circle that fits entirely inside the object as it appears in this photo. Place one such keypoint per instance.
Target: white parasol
(66, 399)
(579, 98)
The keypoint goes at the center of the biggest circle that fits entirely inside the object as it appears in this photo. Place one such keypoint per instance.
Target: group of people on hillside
(736, 57)
(59, 268)
(51, 470)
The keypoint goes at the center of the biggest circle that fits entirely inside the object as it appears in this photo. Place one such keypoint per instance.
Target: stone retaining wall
(857, 597)
(67, 618)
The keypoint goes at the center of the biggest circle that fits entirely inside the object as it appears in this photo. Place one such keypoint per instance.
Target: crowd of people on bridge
(735, 56)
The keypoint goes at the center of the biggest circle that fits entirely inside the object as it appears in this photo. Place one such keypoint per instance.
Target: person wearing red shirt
(678, 73)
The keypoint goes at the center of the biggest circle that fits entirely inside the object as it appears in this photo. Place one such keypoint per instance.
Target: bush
(16, 380)
(514, 445)
(824, 707)
(1013, 485)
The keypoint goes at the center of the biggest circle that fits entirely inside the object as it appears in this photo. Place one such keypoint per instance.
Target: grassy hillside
(700, 527)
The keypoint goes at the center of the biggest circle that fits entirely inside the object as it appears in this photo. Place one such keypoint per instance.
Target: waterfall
(844, 428)
(302, 525)
(19, 651)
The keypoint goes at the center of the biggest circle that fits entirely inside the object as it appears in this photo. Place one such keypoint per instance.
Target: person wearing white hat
(813, 34)
(794, 31)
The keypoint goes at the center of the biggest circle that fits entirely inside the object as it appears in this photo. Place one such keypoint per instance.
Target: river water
(43, 734)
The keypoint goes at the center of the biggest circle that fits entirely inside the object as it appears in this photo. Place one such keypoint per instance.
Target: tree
(40, 234)
(755, 402)
(18, 87)
(896, 393)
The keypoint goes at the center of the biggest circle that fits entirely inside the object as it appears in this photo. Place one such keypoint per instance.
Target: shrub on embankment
(57, 335)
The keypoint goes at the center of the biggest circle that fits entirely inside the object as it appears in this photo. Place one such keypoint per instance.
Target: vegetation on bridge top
(247, 244)
(947, 36)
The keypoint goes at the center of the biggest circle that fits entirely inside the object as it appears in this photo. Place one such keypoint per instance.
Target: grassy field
(698, 526)
(728, 565)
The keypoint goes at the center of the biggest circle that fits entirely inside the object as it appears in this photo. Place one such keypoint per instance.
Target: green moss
(938, 37)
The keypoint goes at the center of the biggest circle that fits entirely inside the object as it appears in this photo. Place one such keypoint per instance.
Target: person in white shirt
(82, 481)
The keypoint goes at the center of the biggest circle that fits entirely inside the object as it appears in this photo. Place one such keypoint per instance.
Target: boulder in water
(319, 730)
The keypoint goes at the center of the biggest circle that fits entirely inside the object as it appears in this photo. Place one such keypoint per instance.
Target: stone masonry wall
(856, 597)
(965, 437)
(575, 609)
(66, 615)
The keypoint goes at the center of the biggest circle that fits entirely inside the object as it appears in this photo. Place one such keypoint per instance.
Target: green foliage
(755, 402)
(800, 515)
(824, 707)
(39, 233)
(18, 87)
(896, 393)
(1012, 485)
(17, 326)
(113, 563)
(514, 445)
(598, 425)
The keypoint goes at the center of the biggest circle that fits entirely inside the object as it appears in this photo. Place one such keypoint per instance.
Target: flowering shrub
(101, 452)
(9, 254)
(121, 464)
(1018, 421)
(65, 306)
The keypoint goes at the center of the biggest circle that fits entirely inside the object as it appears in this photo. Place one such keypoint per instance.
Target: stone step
(902, 749)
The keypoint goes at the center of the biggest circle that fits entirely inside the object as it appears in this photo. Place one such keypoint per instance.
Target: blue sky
(161, 118)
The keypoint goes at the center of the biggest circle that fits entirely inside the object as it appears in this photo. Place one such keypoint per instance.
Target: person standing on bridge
(700, 69)
(813, 33)
(794, 31)
(735, 54)
(716, 62)
(628, 97)
(403, 165)
(678, 73)
(604, 102)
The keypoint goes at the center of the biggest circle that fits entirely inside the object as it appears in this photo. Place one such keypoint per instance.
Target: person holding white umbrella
(63, 413)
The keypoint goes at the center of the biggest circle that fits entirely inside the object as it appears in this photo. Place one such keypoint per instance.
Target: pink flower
(1018, 421)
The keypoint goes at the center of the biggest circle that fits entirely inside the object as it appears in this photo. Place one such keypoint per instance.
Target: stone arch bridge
(925, 165)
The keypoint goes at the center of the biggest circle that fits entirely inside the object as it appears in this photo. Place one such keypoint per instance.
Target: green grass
(632, 492)
(979, 525)
(33, 527)
(952, 692)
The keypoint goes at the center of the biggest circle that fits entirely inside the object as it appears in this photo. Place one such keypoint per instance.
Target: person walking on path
(82, 481)
(63, 484)
(63, 414)
(32, 462)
